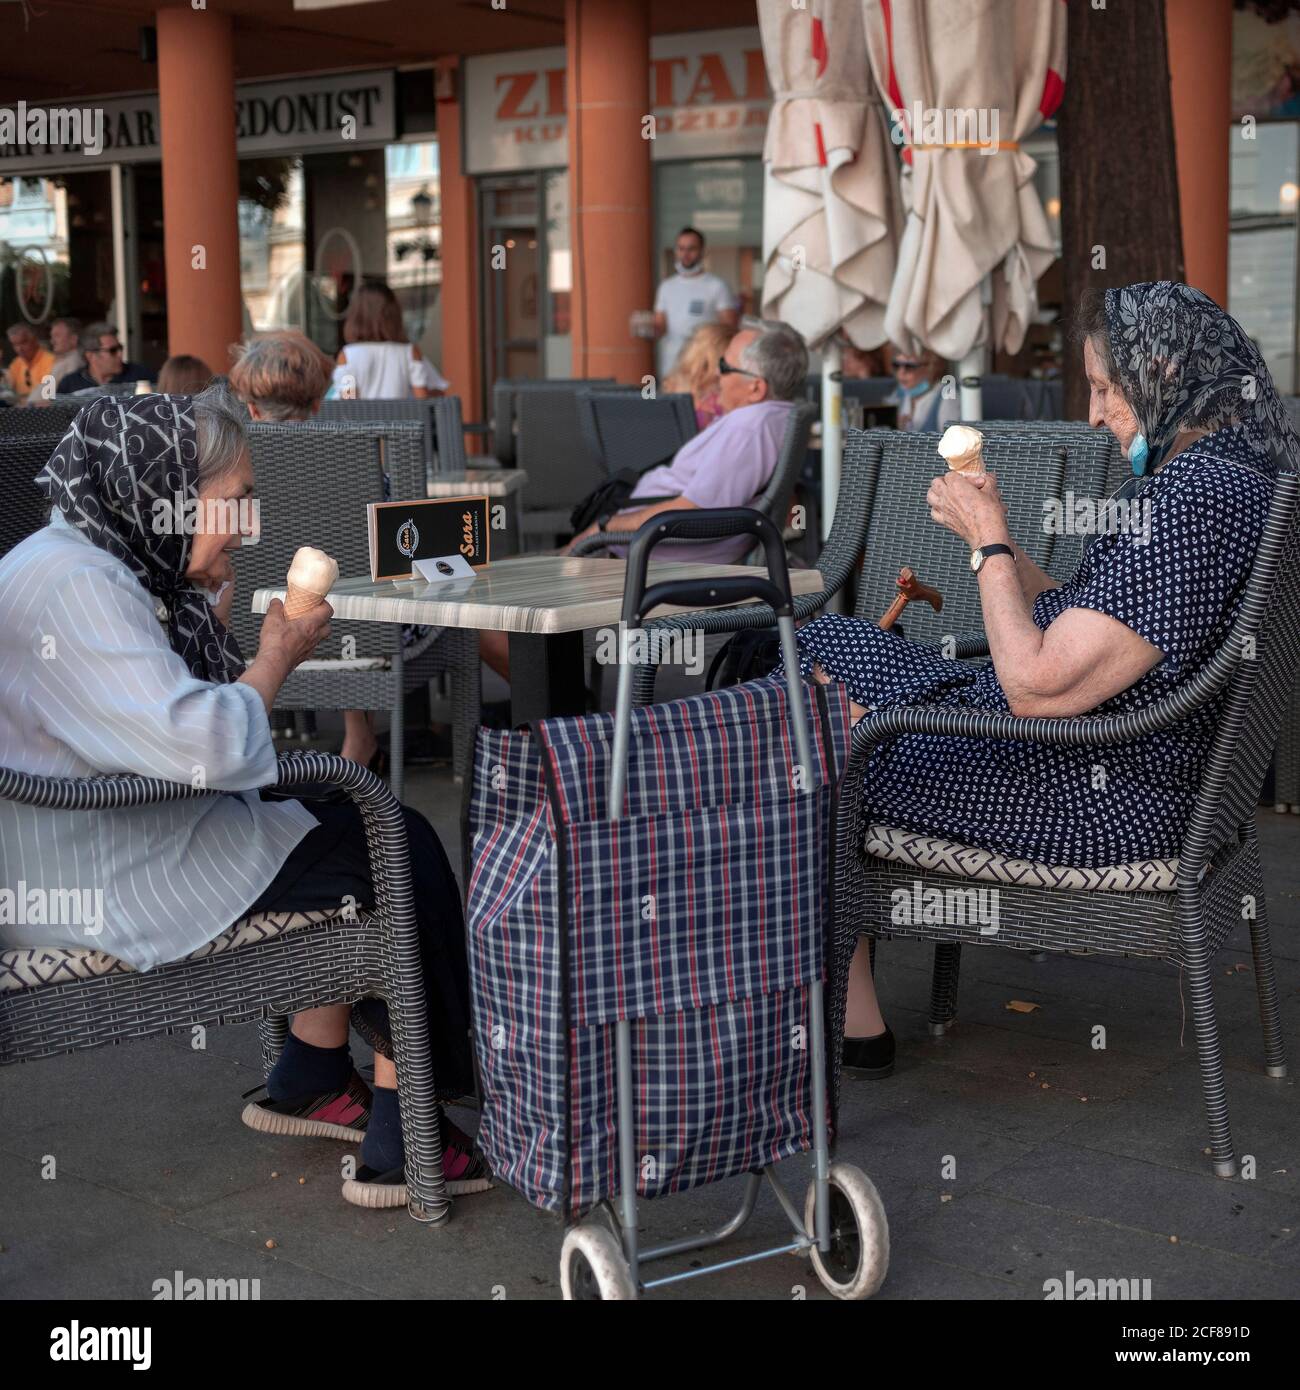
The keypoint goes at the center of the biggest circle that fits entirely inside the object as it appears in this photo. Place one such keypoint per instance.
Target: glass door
(512, 282)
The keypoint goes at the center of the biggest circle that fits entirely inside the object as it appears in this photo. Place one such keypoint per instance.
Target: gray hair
(780, 356)
(1090, 326)
(93, 332)
(220, 427)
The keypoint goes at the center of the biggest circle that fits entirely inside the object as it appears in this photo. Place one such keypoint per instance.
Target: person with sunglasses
(920, 398)
(105, 362)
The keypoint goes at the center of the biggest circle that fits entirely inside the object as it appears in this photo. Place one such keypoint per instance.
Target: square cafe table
(543, 601)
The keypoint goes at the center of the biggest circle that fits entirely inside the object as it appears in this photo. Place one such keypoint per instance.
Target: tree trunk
(1120, 219)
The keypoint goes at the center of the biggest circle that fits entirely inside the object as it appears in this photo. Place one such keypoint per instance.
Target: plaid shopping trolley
(649, 912)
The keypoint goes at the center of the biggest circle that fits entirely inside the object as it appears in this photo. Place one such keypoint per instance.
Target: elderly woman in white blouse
(114, 658)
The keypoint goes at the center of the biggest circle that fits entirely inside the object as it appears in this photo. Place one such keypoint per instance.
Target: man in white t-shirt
(689, 298)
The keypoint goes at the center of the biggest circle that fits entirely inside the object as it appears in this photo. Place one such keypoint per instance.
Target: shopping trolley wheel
(592, 1266)
(856, 1264)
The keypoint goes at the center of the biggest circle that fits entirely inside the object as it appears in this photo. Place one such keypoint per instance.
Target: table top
(525, 593)
(486, 482)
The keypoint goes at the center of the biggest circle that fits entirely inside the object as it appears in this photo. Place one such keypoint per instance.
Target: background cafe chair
(27, 439)
(314, 482)
(264, 967)
(397, 410)
(551, 449)
(505, 392)
(623, 429)
(1181, 909)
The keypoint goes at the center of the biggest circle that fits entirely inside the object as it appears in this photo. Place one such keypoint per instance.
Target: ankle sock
(382, 1148)
(304, 1070)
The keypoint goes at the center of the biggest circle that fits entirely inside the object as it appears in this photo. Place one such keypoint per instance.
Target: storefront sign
(708, 95)
(281, 117)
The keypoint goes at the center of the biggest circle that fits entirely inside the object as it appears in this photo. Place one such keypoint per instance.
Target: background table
(544, 602)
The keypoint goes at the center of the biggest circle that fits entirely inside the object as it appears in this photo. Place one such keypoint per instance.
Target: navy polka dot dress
(1177, 582)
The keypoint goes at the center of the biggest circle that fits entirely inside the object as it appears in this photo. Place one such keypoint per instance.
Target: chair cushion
(57, 965)
(964, 861)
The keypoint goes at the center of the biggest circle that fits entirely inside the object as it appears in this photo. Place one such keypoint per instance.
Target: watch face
(976, 560)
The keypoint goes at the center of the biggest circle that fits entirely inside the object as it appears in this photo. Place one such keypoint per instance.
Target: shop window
(313, 228)
(1265, 191)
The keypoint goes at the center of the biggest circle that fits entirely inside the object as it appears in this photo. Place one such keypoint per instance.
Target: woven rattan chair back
(900, 531)
(551, 449)
(1267, 636)
(401, 410)
(54, 418)
(22, 509)
(314, 481)
(624, 430)
(448, 434)
(505, 393)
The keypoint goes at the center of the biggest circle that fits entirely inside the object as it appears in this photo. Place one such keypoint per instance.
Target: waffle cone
(971, 464)
(298, 600)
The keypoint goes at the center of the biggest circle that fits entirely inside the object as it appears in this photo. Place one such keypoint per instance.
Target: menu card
(403, 532)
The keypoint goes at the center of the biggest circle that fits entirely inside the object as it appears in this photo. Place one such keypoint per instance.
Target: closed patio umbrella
(965, 81)
(831, 209)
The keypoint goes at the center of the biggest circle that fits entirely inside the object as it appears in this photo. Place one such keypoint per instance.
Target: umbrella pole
(975, 363)
(832, 432)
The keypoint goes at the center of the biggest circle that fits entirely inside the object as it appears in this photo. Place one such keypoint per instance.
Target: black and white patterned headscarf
(120, 456)
(1184, 364)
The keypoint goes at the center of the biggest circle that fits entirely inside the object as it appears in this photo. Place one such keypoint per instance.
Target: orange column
(608, 52)
(461, 363)
(1200, 76)
(200, 178)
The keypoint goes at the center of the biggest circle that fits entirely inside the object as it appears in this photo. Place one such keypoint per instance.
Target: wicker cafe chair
(397, 411)
(28, 436)
(551, 449)
(506, 391)
(1035, 466)
(625, 430)
(57, 1000)
(314, 481)
(1180, 910)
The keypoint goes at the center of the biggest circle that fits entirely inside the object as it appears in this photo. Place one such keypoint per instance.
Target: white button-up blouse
(90, 685)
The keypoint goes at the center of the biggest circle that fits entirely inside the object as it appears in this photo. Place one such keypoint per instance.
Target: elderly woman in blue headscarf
(114, 659)
(1184, 391)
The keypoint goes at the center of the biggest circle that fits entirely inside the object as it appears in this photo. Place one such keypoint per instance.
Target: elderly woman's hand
(283, 643)
(292, 640)
(970, 507)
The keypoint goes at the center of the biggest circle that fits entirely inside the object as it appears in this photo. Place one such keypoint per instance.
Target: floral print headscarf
(1185, 364)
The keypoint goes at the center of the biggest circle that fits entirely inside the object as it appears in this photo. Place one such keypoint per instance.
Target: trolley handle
(712, 523)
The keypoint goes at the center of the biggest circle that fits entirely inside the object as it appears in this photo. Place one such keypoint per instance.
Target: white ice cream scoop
(962, 449)
(311, 576)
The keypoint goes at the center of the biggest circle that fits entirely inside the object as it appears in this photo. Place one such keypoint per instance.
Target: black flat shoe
(872, 1058)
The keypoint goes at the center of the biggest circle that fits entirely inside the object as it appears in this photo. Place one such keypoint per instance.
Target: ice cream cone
(316, 573)
(962, 449)
(298, 600)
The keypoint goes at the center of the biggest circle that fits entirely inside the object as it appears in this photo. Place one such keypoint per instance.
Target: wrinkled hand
(291, 640)
(970, 507)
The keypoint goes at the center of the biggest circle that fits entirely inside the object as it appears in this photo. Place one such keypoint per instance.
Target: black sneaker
(872, 1058)
(327, 1115)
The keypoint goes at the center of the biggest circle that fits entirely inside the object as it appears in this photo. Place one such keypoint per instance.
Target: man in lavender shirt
(728, 464)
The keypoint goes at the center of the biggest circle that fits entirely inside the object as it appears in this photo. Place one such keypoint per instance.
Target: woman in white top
(115, 657)
(377, 361)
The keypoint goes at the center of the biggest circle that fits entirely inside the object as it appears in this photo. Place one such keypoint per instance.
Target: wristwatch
(982, 553)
